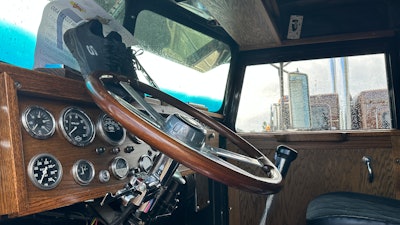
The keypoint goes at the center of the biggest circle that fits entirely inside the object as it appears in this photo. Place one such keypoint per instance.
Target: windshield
(19, 21)
(181, 61)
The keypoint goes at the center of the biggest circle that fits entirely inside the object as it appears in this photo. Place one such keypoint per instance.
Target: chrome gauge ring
(119, 168)
(110, 130)
(83, 172)
(76, 126)
(45, 171)
(38, 122)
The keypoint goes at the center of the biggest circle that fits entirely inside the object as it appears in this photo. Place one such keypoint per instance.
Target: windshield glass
(183, 62)
(19, 21)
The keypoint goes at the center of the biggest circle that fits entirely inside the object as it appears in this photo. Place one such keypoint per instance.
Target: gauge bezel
(113, 168)
(142, 165)
(75, 171)
(92, 131)
(32, 175)
(104, 176)
(103, 133)
(134, 138)
(29, 129)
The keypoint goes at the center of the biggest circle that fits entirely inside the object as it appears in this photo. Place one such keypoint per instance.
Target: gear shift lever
(283, 158)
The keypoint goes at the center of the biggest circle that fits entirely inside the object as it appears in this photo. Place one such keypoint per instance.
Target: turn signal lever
(284, 156)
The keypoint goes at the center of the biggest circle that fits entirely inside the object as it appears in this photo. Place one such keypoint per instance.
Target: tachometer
(110, 130)
(38, 122)
(45, 171)
(76, 126)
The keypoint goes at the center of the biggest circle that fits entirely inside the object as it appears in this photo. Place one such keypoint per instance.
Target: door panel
(321, 166)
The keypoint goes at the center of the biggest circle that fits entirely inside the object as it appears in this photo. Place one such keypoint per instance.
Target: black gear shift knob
(283, 157)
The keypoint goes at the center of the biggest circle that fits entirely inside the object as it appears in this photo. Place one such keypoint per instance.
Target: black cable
(124, 215)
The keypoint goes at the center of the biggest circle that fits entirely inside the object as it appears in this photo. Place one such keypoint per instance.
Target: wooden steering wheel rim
(176, 149)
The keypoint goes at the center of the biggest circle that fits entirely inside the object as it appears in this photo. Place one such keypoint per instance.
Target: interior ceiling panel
(247, 22)
(256, 24)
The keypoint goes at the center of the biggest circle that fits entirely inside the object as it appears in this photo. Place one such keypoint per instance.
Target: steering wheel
(181, 137)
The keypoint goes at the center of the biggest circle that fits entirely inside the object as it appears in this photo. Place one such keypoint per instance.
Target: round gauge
(110, 130)
(135, 139)
(119, 167)
(83, 172)
(45, 171)
(76, 126)
(38, 122)
(104, 176)
(145, 163)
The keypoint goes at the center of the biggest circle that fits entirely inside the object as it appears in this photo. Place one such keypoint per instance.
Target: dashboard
(71, 148)
(57, 147)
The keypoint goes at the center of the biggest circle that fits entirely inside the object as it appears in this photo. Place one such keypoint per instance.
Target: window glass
(346, 93)
(181, 61)
(19, 22)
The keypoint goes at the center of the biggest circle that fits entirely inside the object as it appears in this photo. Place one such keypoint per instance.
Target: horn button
(186, 129)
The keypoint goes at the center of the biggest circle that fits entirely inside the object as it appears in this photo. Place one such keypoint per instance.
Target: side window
(345, 93)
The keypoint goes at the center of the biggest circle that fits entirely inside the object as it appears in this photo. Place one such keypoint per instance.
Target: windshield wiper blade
(141, 68)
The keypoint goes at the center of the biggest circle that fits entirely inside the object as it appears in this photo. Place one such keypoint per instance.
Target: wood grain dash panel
(12, 185)
(36, 83)
(396, 158)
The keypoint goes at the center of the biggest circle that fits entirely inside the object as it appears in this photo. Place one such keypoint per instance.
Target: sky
(19, 19)
(23, 13)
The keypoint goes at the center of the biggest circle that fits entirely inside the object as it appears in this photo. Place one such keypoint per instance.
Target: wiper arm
(139, 66)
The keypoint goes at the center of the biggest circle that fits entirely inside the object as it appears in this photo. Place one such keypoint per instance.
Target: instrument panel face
(87, 155)
(53, 156)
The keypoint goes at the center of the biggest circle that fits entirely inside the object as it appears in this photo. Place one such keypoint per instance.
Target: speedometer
(76, 126)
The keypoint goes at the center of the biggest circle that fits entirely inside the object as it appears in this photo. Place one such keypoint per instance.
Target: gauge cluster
(88, 145)
(58, 147)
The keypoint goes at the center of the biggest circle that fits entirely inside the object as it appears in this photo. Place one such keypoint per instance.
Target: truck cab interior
(189, 112)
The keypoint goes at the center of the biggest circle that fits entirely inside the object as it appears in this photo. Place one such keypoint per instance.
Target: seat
(347, 208)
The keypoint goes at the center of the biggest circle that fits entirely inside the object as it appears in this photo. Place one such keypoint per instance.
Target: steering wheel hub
(186, 129)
